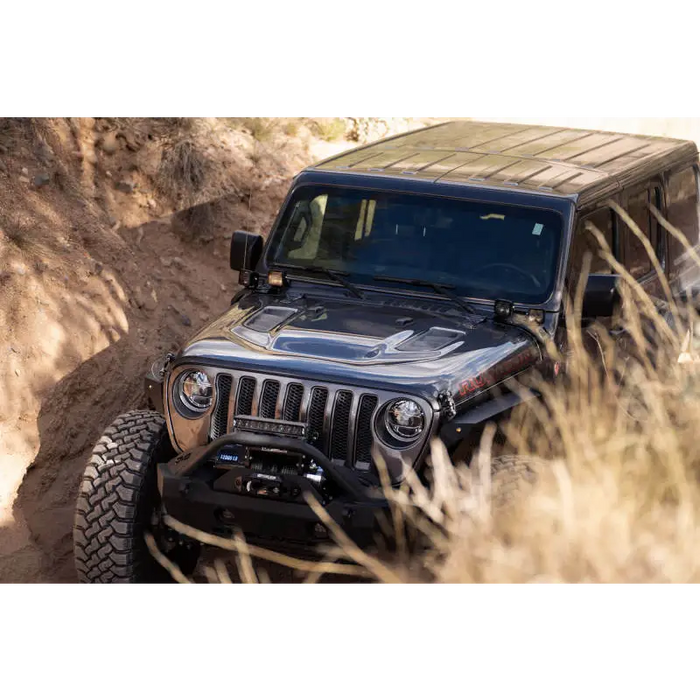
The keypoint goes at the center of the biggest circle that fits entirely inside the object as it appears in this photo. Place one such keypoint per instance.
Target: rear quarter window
(682, 197)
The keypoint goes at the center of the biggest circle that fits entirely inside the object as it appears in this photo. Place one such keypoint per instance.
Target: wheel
(513, 477)
(119, 502)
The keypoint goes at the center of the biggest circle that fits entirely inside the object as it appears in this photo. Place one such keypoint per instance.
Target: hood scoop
(409, 346)
(258, 328)
(269, 318)
(432, 340)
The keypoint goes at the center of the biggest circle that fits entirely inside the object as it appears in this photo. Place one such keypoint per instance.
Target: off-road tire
(116, 502)
(513, 478)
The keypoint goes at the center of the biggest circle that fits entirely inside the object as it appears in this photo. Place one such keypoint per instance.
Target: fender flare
(460, 427)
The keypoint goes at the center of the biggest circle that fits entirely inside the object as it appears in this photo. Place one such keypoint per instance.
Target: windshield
(480, 250)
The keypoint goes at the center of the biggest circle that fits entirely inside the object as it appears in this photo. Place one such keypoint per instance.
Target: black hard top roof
(575, 163)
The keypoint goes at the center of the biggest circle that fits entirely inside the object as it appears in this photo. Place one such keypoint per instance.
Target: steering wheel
(513, 268)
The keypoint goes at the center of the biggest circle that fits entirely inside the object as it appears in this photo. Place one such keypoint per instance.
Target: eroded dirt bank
(97, 278)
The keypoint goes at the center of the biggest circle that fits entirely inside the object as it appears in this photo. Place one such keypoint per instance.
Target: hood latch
(448, 408)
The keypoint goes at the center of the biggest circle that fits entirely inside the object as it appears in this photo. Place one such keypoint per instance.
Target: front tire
(119, 502)
(513, 477)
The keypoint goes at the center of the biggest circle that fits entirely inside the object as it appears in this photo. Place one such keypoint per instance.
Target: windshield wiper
(335, 275)
(441, 289)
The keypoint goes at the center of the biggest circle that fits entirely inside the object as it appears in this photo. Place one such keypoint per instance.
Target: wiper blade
(335, 275)
(441, 289)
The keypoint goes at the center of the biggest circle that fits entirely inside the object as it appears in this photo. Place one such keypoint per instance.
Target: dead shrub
(183, 170)
(330, 129)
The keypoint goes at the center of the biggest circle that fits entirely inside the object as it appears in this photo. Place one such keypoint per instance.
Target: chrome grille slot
(244, 398)
(219, 422)
(268, 400)
(340, 426)
(292, 402)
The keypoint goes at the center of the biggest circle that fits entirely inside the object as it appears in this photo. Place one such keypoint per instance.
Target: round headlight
(195, 391)
(405, 420)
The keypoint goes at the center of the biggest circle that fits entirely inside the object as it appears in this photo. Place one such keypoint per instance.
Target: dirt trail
(97, 279)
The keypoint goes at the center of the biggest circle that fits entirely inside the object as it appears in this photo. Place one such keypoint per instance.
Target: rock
(41, 180)
(44, 153)
(25, 172)
(179, 262)
(109, 143)
(185, 320)
(152, 203)
(132, 142)
(23, 179)
(223, 287)
(108, 173)
(40, 266)
(125, 186)
(112, 222)
(141, 300)
(91, 158)
(203, 316)
(17, 372)
(166, 262)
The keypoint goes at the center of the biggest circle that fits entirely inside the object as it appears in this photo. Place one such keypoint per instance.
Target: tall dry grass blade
(222, 572)
(168, 565)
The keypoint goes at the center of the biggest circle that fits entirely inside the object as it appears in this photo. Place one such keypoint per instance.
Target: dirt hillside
(113, 249)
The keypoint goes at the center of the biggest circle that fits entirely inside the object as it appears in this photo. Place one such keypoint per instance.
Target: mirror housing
(602, 296)
(246, 249)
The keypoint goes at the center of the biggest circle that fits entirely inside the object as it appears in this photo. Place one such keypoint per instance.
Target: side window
(586, 242)
(636, 258)
(682, 193)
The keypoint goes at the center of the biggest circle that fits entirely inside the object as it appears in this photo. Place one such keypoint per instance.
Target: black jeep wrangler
(401, 286)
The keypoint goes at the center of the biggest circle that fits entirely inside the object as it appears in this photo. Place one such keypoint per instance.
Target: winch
(270, 473)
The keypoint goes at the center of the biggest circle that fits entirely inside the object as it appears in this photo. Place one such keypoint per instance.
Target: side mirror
(601, 298)
(246, 249)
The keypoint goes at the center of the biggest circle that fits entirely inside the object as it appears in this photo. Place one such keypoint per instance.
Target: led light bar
(270, 427)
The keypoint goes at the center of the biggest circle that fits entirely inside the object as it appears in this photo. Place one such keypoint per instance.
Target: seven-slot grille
(339, 420)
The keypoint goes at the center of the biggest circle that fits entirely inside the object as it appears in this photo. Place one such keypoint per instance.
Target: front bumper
(196, 494)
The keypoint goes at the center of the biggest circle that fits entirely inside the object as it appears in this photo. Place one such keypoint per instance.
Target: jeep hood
(410, 345)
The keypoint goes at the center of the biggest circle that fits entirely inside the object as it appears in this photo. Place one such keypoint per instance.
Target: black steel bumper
(196, 496)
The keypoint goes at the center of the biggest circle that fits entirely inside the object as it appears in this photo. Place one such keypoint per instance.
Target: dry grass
(329, 129)
(262, 129)
(183, 171)
(617, 497)
(291, 128)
